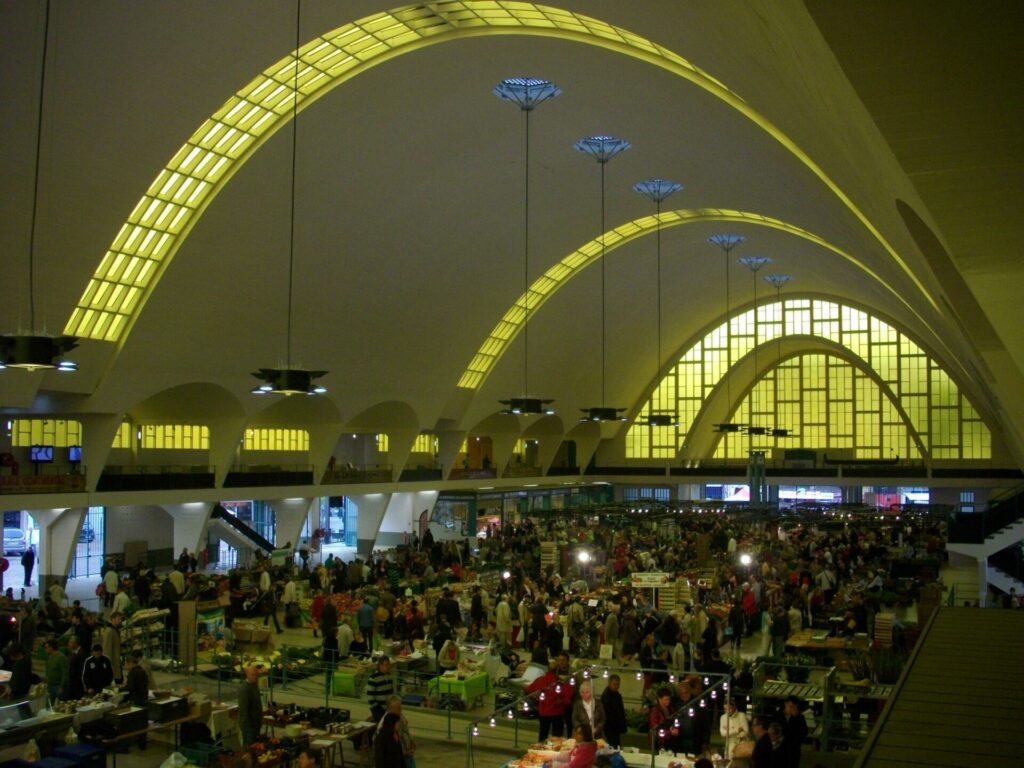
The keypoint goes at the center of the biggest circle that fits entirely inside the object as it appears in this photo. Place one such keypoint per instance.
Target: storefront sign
(649, 580)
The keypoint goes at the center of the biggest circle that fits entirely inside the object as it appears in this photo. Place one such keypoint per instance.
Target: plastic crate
(202, 754)
(413, 700)
(83, 755)
(53, 762)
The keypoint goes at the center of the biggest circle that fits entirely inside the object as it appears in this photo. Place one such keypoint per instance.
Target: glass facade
(823, 400)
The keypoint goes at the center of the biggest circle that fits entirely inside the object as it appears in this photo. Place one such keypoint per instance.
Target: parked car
(87, 535)
(15, 541)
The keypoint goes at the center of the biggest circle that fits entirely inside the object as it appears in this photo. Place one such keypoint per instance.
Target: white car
(15, 541)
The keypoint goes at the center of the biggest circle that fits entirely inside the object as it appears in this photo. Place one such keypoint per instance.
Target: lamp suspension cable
(603, 148)
(778, 281)
(754, 264)
(35, 179)
(658, 190)
(526, 93)
(31, 349)
(727, 242)
(288, 380)
(295, 145)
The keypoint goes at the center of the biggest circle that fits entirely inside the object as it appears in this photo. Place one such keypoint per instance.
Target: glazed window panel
(825, 310)
(944, 392)
(175, 437)
(123, 436)
(913, 377)
(827, 330)
(798, 322)
(857, 343)
(59, 433)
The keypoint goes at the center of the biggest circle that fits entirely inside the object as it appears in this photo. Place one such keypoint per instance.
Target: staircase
(999, 578)
(249, 537)
(982, 534)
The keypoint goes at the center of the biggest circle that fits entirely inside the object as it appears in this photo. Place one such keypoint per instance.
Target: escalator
(251, 537)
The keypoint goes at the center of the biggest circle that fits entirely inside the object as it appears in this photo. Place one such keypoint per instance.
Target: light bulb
(691, 711)
(494, 721)
(639, 676)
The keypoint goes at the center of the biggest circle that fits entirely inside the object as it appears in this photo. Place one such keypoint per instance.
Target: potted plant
(798, 667)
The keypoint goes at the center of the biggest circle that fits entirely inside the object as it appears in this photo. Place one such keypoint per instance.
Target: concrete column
(370, 509)
(402, 517)
(291, 516)
(983, 581)
(190, 520)
(58, 537)
(448, 444)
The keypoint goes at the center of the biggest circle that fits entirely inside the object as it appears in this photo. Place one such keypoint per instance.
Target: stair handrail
(220, 513)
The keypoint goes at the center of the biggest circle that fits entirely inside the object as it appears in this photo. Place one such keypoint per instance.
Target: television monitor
(74, 454)
(41, 453)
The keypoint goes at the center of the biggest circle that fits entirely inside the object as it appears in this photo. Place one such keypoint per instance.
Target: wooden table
(111, 744)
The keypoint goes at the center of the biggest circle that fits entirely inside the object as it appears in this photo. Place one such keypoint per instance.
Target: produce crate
(202, 754)
(83, 755)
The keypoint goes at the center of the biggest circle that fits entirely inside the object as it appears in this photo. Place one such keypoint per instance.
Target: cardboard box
(201, 710)
(260, 635)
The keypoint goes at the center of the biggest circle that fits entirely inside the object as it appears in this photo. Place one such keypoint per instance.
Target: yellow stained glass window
(276, 440)
(59, 433)
(123, 436)
(175, 437)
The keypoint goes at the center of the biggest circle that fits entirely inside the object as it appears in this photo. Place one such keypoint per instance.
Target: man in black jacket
(76, 667)
(614, 712)
(448, 608)
(794, 731)
(98, 672)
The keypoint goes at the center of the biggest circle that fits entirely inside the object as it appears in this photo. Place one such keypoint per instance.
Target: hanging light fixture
(602, 149)
(33, 350)
(778, 281)
(754, 264)
(289, 380)
(526, 93)
(727, 242)
(658, 190)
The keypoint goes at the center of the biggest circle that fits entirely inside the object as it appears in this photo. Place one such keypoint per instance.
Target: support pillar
(370, 509)
(58, 536)
(291, 516)
(190, 521)
(983, 581)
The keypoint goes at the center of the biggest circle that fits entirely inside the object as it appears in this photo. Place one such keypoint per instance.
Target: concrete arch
(494, 346)
(161, 220)
(702, 441)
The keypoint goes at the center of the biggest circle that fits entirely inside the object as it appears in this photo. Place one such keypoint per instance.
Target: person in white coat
(503, 622)
(733, 727)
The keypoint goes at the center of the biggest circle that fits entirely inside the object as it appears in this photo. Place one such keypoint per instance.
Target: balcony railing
(350, 474)
(259, 475)
(156, 477)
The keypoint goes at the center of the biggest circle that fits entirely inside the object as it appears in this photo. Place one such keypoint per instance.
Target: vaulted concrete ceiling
(408, 236)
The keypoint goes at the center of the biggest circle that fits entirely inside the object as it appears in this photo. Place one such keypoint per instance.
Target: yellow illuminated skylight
(554, 278)
(163, 217)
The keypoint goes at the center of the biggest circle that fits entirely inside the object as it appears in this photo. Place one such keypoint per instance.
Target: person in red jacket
(583, 754)
(550, 702)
